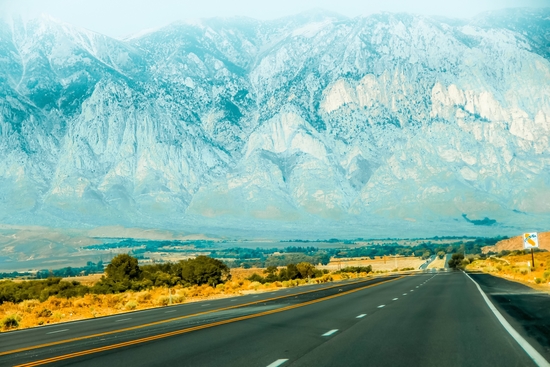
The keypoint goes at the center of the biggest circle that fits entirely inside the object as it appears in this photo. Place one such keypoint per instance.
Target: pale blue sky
(119, 18)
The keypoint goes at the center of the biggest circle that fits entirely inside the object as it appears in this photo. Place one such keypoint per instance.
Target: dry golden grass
(516, 268)
(33, 313)
(387, 263)
(88, 280)
(54, 310)
(437, 263)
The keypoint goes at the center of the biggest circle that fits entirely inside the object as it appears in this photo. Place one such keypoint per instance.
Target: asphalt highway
(427, 319)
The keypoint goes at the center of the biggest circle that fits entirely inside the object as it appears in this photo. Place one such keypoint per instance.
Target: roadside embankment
(518, 267)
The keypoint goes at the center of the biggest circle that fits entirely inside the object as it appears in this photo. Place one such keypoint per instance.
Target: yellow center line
(24, 349)
(195, 328)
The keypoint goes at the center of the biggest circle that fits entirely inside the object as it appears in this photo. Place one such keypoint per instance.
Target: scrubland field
(385, 263)
(516, 267)
(31, 313)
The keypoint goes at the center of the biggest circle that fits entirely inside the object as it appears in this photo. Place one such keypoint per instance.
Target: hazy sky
(119, 18)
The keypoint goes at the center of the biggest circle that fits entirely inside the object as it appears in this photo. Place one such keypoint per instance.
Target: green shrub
(10, 322)
(256, 278)
(538, 280)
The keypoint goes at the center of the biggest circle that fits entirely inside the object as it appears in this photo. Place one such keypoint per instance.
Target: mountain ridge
(330, 124)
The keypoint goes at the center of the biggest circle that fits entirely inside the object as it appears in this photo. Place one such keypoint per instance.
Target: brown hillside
(516, 243)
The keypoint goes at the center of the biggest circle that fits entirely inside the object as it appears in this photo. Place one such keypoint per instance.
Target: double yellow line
(187, 330)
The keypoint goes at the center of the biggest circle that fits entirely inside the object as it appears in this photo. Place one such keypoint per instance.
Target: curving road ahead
(426, 319)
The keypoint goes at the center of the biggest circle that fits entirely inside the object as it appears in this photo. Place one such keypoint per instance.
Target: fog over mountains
(315, 125)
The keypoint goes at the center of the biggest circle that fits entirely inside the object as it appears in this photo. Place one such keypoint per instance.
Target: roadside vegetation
(517, 266)
(242, 257)
(126, 286)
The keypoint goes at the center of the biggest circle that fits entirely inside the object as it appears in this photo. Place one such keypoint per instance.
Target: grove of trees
(123, 273)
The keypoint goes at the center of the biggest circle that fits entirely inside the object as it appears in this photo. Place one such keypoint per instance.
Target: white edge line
(361, 316)
(123, 320)
(57, 331)
(381, 306)
(277, 363)
(329, 333)
(532, 352)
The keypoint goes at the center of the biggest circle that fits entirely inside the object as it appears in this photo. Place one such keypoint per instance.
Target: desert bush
(10, 322)
(131, 305)
(358, 269)
(44, 313)
(538, 280)
(144, 296)
(256, 278)
(39, 289)
(254, 285)
(178, 299)
(163, 301)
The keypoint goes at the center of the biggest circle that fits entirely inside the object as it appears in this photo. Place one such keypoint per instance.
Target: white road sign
(530, 240)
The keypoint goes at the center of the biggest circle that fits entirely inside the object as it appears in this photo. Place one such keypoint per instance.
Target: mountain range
(312, 125)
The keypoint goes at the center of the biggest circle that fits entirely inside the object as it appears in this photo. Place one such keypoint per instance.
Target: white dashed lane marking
(329, 333)
(277, 363)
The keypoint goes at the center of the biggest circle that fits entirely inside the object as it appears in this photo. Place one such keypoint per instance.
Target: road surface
(428, 262)
(427, 319)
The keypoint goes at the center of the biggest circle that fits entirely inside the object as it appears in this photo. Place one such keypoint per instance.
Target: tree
(292, 271)
(204, 270)
(305, 269)
(123, 267)
(456, 261)
(441, 254)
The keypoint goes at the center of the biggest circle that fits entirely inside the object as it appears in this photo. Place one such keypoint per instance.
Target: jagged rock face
(369, 125)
